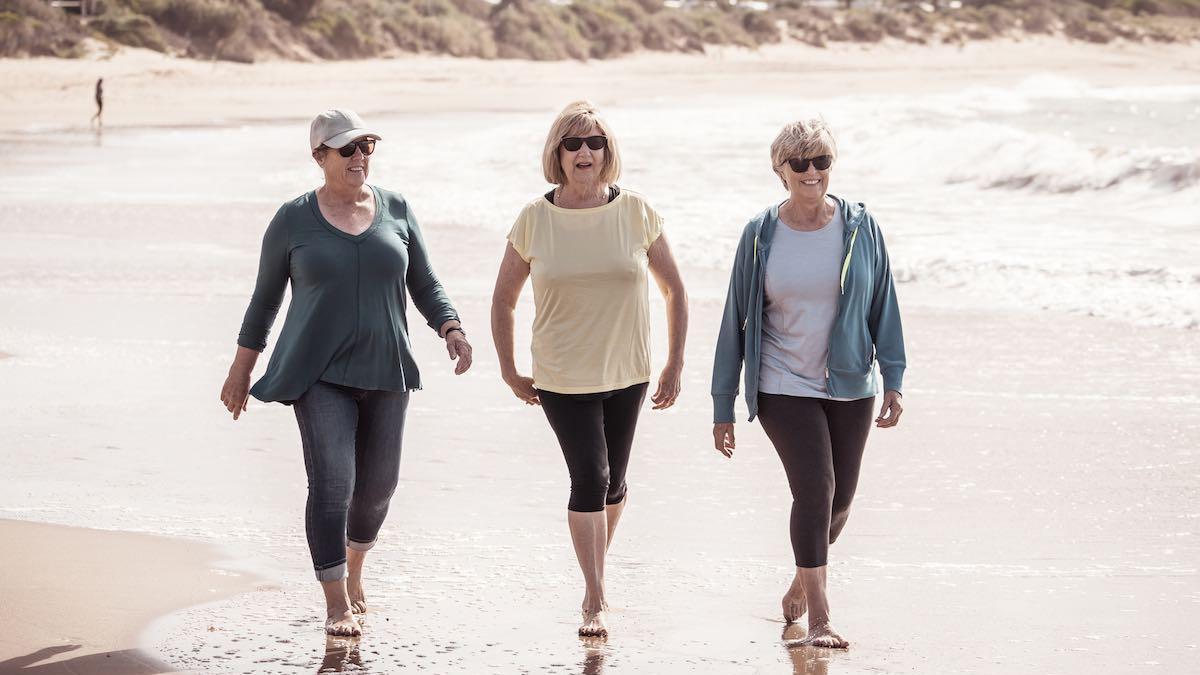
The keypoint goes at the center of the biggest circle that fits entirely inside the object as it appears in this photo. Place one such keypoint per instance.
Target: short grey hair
(804, 138)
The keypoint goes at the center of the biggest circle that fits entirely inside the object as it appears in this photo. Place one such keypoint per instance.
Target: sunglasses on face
(801, 165)
(573, 143)
(367, 146)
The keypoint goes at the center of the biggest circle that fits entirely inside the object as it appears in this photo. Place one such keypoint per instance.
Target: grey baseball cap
(335, 128)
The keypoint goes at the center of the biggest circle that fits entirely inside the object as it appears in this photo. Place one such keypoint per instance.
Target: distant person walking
(352, 254)
(811, 306)
(98, 118)
(587, 246)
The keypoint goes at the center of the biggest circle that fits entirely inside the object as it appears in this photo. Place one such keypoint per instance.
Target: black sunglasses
(367, 146)
(573, 143)
(801, 165)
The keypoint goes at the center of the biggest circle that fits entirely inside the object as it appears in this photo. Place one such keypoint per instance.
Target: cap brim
(346, 136)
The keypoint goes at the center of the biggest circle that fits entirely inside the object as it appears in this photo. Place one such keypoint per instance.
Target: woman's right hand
(723, 438)
(235, 393)
(522, 388)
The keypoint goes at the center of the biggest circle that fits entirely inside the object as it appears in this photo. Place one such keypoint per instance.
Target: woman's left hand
(460, 349)
(889, 414)
(668, 387)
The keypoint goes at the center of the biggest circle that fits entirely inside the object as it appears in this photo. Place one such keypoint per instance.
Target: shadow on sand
(124, 662)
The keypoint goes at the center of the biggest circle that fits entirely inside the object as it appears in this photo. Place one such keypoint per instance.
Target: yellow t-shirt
(591, 331)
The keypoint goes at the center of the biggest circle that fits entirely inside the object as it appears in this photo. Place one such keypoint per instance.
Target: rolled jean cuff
(360, 546)
(335, 573)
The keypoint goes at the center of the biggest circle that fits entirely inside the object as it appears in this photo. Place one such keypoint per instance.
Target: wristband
(451, 330)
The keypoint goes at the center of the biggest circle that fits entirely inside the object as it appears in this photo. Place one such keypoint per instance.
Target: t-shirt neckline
(316, 209)
(591, 209)
(782, 225)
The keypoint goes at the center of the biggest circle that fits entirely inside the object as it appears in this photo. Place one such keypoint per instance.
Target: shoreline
(95, 594)
(146, 89)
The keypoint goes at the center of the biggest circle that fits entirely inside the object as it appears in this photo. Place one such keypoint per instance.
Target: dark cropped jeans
(351, 441)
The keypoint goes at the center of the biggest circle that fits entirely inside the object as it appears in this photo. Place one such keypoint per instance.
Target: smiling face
(344, 172)
(807, 186)
(583, 166)
(804, 139)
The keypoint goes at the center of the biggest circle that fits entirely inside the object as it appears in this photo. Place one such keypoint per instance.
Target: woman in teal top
(353, 254)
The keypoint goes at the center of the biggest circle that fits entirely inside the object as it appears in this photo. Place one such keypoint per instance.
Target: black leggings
(821, 444)
(596, 435)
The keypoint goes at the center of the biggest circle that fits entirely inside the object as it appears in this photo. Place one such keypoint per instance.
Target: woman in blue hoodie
(811, 307)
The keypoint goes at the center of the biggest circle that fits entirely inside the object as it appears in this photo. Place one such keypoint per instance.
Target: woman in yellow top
(587, 244)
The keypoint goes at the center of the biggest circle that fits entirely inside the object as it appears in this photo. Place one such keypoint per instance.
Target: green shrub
(760, 26)
(809, 27)
(539, 29)
(209, 22)
(535, 31)
(862, 27)
(295, 11)
(129, 28)
(1090, 31)
(347, 38)
(667, 31)
(998, 19)
(891, 24)
(1039, 20)
(240, 48)
(1125, 29)
(1146, 7)
(32, 28)
(607, 32)
(456, 38)
(474, 9)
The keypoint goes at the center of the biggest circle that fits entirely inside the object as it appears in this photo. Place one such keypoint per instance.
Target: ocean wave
(1142, 295)
(1045, 134)
(1083, 168)
(992, 155)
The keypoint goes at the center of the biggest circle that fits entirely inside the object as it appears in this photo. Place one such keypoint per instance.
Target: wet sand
(1035, 511)
(76, 601)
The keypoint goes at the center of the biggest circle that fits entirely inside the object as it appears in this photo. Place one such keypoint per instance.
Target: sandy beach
(77, 600)
(1034, 512)
(146, 89)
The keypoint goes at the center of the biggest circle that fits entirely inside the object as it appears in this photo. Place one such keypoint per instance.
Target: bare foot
(342, 623)
(823, 635)
(794, 604)
(358, 599)
(593, 625)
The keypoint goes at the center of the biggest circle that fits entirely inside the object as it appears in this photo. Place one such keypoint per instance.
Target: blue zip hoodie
(867, 326)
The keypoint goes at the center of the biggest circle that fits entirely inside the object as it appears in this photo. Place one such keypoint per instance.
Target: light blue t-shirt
(800, 304)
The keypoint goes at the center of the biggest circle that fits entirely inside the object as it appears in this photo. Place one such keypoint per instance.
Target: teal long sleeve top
(346, 322)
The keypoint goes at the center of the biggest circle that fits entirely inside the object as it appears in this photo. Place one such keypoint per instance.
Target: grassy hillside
(249, 30)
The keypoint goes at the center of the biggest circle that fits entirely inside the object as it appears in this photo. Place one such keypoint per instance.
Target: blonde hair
(803, 139)
(576, 119)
